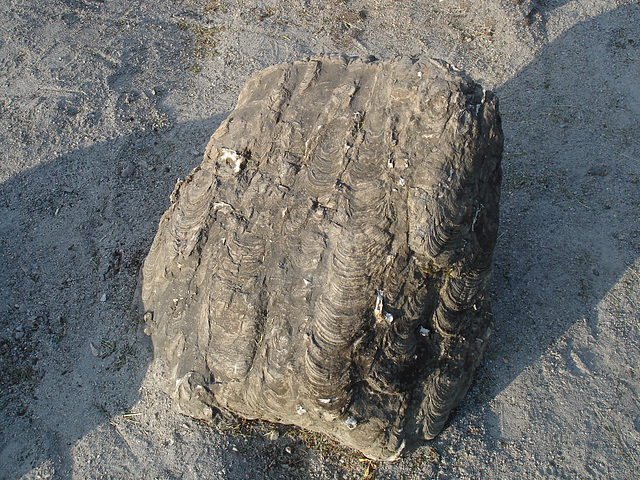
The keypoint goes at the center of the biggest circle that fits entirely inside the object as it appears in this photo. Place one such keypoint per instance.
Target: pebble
(127, 171)
(103, 298)
(598, 171)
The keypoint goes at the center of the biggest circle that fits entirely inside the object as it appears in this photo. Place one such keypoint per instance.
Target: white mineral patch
(377, 310)
(234, 158)
(351, 422)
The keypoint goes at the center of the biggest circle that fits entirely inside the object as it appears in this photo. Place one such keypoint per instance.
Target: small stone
(598, 171)
(103, 298)
(127, 171)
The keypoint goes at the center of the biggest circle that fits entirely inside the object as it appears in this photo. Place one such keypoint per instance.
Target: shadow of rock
(570, 188)
(74, 232)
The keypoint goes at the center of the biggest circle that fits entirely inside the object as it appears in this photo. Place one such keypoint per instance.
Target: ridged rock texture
(327, 265)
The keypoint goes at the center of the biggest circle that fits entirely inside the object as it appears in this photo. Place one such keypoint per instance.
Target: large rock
(328, 263)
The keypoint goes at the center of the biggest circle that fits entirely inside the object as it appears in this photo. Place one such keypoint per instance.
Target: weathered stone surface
(328, 263)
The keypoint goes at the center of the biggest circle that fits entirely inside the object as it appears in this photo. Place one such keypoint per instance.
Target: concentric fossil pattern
(328, 263)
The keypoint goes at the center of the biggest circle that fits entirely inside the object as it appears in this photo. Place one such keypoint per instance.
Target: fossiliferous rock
(327, 265)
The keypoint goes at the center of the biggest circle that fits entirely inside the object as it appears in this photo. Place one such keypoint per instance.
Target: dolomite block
(327, 265)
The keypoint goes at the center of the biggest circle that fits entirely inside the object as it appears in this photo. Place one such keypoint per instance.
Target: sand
(104, 105)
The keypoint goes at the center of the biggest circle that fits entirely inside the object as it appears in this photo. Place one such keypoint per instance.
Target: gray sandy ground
(104, 105)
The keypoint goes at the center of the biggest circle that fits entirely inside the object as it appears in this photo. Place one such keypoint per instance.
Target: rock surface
(328, 263)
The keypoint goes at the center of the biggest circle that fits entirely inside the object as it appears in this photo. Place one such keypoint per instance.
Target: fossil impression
(327, 265)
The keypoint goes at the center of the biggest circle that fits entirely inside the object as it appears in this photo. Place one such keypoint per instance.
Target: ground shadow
(569, 209)
(74, 232)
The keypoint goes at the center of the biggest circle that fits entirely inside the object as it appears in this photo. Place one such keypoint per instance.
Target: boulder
(328, 263)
